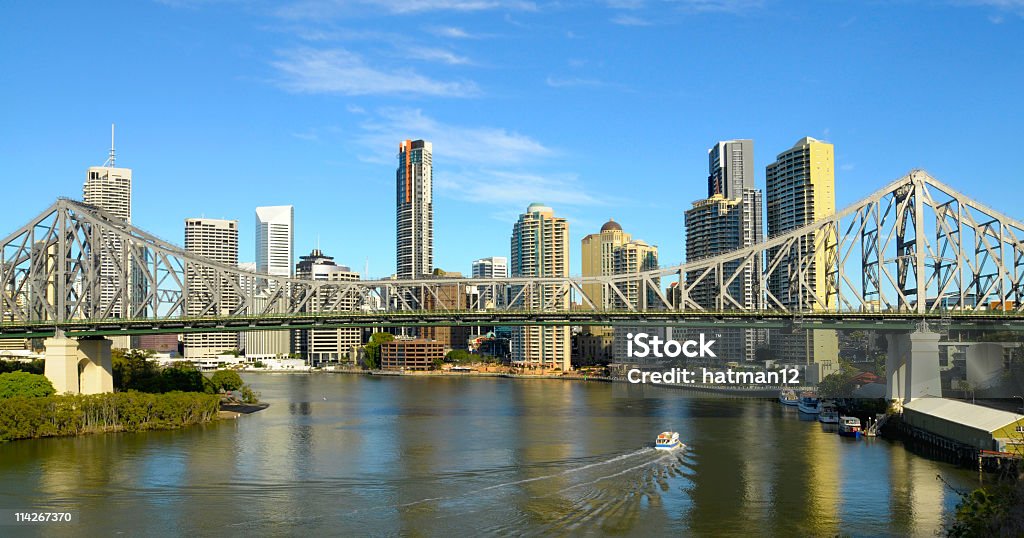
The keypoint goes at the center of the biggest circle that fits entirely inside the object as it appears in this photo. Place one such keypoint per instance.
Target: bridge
(915, 250)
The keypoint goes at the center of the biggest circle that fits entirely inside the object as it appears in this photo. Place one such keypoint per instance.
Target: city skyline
(582, 109)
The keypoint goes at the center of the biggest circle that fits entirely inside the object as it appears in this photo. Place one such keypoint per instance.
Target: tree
(182, 376)
(224, 380)
(372, 349)
(460, 356)
(133, 370)
(437, 363)
(35, 367)
(838, 384)
(25, 385)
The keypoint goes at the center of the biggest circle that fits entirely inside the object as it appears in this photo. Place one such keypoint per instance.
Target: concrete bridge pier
(79, 366)
(912, 365)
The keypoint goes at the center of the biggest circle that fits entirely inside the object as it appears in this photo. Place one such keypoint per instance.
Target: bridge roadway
(893, 320)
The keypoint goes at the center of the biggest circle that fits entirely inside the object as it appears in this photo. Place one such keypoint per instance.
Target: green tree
(35, 367)
(460, 356)
(437, 363)
(372, 349)
(133, 370)
(224, 380)
(25, 385)
(838, 384)
(182, 376)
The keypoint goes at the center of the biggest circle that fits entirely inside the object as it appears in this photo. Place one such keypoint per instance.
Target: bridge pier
(912, 365)
(79, 366)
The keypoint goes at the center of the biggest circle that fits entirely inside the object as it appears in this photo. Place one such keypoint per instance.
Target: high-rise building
(215, 240)
(110, 189)
(540, 248)
(274, 238)
(414, 209)
(728, 219)
(800, 187)
(320, 347)
(632, 257)
(492, 267)
(731, 168)
(599, 260)
(275, 235)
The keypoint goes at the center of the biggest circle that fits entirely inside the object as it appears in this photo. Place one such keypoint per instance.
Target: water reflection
(356, 455)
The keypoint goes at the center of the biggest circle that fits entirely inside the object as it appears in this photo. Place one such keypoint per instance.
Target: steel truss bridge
(914, 250)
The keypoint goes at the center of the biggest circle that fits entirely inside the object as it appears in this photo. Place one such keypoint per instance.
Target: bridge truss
(915, 246)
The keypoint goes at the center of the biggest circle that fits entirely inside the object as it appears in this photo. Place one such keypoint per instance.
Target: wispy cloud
(436, 55)
(453, 32)
(333, 9)
(719, 6)
(629, 20)
(453, 143)
(308, 70)
(625, 4)
(572, 81)
(516, 189)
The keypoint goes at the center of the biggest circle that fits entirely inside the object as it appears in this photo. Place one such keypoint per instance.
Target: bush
(224, 380)
(24, 385)
(75, 414)
(182, 377)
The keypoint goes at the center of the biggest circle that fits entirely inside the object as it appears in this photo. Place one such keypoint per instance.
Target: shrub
(24, 384)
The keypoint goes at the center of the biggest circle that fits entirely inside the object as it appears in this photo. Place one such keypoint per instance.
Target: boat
(788, 397)
(809, 403)
(828, 414)
(849, 427)
(668, 441)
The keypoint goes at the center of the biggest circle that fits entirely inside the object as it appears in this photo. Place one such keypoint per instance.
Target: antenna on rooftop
(110, 159)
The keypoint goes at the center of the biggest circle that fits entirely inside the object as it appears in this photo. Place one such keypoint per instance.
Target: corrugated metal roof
(975, 416)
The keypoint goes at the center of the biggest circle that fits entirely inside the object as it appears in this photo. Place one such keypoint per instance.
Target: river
(355, 455)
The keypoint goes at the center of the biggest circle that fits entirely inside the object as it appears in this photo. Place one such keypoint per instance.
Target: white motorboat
(668, 441)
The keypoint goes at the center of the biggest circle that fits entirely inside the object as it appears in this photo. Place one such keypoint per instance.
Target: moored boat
(809, 403)
(849, 427)
(828, 414)
(668, 441)
(788, 397)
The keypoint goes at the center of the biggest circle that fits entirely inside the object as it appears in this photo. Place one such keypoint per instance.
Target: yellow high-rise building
(599, 260)
(800, 189)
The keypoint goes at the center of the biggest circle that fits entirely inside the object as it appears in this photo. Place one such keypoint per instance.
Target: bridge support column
(912, 365)
(984, 365)
(79, 366)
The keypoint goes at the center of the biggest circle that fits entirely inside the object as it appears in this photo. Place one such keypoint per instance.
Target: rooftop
(974, 416)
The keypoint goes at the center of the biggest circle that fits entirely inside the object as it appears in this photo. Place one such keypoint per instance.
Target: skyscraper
(540, 248)
(728, 219)
(800, 187)
(110, 189)
(612, 251)
(274, 239)
(414, 209)
(215, 240)
(731, 168)
(325, 346)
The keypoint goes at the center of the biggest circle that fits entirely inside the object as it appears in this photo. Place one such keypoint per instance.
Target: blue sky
(599, 109)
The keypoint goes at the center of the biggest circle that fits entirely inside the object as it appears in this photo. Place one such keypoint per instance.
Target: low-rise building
(976, 426)
(410, 354)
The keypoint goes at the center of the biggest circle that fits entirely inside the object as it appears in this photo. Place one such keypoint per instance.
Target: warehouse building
(978, 427)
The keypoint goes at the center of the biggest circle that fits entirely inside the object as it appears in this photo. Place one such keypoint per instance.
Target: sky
(599, 109)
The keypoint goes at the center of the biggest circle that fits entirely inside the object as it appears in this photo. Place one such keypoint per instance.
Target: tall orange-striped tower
(414, 255)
